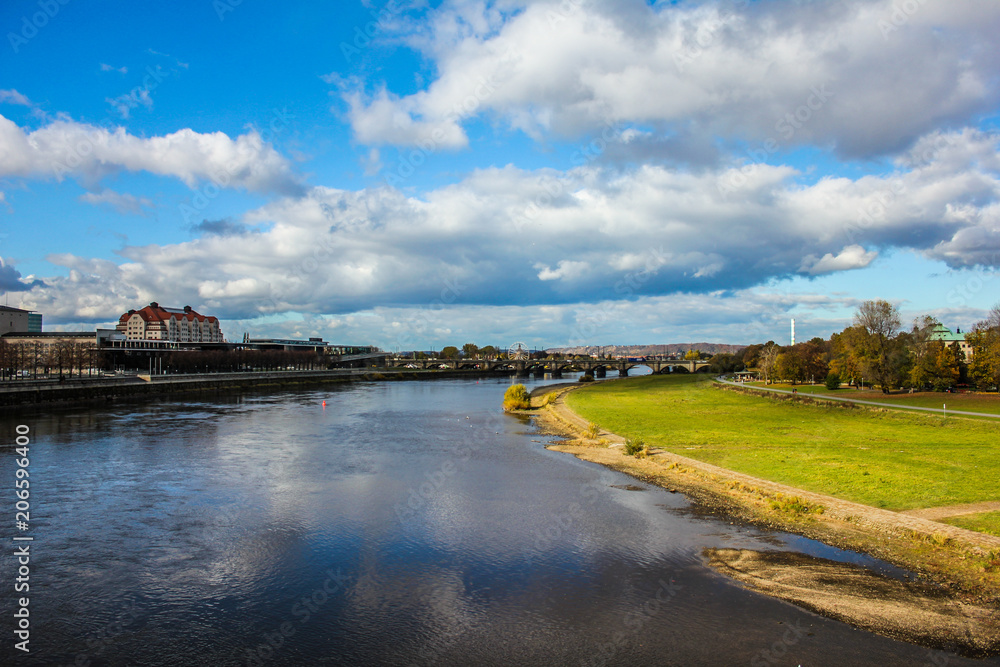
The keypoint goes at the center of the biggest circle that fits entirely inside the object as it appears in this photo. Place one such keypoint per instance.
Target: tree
(488, 352)
(832, 381)
(470, 350)
(725, 363)
(937, 367)
(789, 365)
(749, 356)
(878, 321)
(516, 398)
(767, 359)
(450, 352)
(692, 355)
(984, 370)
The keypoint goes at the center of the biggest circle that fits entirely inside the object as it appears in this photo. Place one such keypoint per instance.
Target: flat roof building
(16, 319)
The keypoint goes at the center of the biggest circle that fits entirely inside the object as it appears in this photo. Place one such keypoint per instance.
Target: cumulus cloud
(511, 237)
(11, 280)
(68, 148)
(851, 257)
(826, 74)
(744, 316)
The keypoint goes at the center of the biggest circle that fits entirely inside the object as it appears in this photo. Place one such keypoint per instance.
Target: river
(401, 523)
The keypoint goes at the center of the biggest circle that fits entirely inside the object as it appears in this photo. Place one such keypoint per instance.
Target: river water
(403, 523)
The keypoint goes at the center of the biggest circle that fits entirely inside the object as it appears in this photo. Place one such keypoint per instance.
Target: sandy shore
(955, 607)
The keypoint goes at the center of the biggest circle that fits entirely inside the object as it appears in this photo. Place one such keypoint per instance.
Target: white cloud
(817, 73)
(385, 119)
(566, 270)
(67, 148)
(514, 237)
(851, 257)
(14, 97)
(123, 203)
(110, 68)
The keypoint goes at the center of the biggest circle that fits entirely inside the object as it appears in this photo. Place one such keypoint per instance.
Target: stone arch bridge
(526, 367)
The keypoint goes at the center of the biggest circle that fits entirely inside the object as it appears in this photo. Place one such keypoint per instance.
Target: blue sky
(415, 174)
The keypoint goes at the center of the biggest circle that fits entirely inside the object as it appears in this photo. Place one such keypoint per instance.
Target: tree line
(65, 358)
(877, 350)
(68, 359)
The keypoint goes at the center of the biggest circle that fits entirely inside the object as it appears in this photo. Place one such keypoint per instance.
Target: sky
(419, 174)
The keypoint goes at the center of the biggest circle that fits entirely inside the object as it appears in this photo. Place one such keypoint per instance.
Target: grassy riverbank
(883, 459)
(794, 465)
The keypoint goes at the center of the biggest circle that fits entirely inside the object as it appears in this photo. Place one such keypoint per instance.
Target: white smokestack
(793, 331)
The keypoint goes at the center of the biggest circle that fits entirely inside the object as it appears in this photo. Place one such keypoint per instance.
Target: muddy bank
(964, 566)
(910, 611)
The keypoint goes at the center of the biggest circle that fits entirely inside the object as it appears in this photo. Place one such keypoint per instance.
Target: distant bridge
(555, 367)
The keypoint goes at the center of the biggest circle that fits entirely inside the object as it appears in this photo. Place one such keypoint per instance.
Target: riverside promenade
(23, 393)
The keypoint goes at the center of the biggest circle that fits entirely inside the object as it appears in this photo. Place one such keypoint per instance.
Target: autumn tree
(984, 370)
(470, 350)
(767, 360)
(876, 347)
(724, 362)
(789, 365)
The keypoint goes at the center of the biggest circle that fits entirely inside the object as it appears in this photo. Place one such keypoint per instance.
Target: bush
(516, 398)
(586, 378)
(832, 381)
(634, 446)
(593, 430)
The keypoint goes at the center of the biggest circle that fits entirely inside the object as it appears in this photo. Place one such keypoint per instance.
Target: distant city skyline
(414, 175)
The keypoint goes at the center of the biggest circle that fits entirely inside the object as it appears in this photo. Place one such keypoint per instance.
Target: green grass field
(987, 522)
(893, 460)
(988, 403)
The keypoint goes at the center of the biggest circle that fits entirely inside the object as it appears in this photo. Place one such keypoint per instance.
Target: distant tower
(793, 331)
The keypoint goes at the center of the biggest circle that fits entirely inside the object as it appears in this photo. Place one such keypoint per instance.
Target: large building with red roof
(182, 325)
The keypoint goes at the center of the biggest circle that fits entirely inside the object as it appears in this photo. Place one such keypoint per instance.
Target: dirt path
(938, 513)
(890, 406)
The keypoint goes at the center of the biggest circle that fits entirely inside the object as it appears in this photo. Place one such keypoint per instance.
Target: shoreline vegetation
(821, 471)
